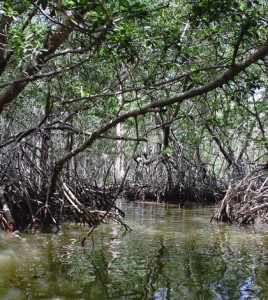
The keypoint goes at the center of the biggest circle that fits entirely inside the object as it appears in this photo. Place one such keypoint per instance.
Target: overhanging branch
(216, 83)
(227, 76)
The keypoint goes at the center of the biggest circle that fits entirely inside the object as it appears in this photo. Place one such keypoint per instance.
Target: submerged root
(246, 200)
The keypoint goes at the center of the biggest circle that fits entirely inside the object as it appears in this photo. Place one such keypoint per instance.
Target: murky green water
(171, 253)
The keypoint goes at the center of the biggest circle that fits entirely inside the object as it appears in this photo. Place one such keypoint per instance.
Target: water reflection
(172, 253)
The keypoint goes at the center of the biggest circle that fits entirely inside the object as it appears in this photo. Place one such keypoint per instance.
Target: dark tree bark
(153, 106)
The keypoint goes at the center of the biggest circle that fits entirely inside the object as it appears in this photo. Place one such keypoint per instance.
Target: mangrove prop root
(246, 200)
(23, 202)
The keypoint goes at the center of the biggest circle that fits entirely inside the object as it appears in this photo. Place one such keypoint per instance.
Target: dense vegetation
(165, 98)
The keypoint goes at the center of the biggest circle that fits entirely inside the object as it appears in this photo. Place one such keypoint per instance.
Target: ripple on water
(172, 253)
(6, 255)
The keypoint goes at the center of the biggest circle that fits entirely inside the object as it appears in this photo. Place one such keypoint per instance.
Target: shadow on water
(172, 253)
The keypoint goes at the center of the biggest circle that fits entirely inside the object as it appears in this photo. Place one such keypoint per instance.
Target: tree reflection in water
(172, 253)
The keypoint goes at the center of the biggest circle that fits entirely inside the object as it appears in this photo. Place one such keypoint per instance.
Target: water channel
(171, 253)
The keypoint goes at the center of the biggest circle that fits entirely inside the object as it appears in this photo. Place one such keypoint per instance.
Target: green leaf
(194, 68)
(124, 3)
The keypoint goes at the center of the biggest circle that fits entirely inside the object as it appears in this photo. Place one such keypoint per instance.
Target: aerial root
(246, 200)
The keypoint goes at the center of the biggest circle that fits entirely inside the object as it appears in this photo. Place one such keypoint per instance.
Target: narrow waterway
(172, 253)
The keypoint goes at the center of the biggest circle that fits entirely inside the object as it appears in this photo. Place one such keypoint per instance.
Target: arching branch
(227, 76)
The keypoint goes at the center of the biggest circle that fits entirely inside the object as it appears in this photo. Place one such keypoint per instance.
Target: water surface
(172, 253)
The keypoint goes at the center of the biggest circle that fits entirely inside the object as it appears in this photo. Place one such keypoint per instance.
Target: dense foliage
(166, 92)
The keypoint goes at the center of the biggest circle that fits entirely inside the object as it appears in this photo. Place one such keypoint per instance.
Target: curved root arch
(246, 200)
